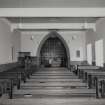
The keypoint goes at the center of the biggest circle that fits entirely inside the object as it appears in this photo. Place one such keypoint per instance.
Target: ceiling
(52, 19)
(51, 3)
(60, 23)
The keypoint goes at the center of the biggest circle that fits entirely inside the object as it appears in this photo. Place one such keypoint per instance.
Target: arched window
(89, 54)
(99, 53)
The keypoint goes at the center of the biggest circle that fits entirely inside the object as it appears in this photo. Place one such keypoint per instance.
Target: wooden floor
(53, 86)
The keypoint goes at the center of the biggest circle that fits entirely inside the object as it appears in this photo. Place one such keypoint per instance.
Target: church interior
(52, 52)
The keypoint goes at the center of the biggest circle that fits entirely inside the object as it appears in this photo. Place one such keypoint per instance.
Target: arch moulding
(54, 34)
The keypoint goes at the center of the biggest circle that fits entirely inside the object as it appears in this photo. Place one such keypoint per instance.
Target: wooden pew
(95, 77)
(25, 73)
(82, 68)
(89, 76)
(16, 77)
(7, 86)
(100, 87)
(86, 75)
(97, 80)
(12, 75)
(3, 86)
(13, 79)
(19, 71)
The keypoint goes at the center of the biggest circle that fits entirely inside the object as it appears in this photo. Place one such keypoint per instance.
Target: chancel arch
(53, 51)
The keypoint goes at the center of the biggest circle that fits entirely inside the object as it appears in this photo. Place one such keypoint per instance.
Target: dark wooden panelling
(4, 67)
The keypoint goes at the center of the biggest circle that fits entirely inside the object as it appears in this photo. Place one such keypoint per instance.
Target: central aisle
(57, 86)
(54, 82)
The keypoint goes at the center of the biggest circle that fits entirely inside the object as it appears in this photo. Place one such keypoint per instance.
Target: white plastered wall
(74, 39)
(7, 40)
(92, 36)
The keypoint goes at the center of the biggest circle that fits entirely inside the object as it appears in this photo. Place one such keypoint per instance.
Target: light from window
(99, 53)
(89, 53)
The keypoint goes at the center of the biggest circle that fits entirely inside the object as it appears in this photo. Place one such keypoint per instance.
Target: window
(89, 54)
(78, 53)
(99, 53)
(12, 52)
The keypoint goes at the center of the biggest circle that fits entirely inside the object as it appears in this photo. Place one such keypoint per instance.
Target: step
(45, 70)
(36, 82)
(53, 80)
(53, 92)
(51, 87)
(54, 77)
(56, 93)
(55, 84)
(52, 74)
(55, 96)
(53, 68)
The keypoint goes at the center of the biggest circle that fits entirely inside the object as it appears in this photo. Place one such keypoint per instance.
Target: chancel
(52, 52)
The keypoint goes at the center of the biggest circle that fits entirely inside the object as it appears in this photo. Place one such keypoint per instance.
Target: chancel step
(53, 74)
(54, 80)
(54, 77)
(56, 91)
(55, 84)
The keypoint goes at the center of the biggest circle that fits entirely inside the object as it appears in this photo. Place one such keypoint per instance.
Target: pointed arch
(54, 34)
